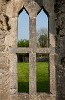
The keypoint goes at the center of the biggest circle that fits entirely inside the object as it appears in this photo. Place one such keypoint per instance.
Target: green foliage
(41, 73)
(22, 56)
(42, 37)
(43, 40)
(23, 43)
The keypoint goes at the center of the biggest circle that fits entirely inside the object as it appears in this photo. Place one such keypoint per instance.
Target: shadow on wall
(39, 2)
(63, 61)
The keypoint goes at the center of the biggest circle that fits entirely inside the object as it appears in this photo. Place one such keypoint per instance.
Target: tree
(23, 57)
(23, 43)
(42, 37)
(43, 40)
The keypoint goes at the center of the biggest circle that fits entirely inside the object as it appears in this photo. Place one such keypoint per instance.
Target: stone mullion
(43, 50)
(32, 57)
(52, 55)
(29, 50)
(32, 42)
(52, 30)
(20, 50)
(52, 75)
(32, 73)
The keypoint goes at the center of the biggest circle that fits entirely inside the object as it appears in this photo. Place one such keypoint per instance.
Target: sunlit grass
(41, 74)
(23, 77)
(42, 77)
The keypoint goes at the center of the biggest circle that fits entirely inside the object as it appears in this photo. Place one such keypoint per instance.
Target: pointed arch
(45, 11)
(23, 25)
(42, 26)
(23, 8)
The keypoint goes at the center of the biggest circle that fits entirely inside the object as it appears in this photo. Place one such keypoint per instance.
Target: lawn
(41, 74)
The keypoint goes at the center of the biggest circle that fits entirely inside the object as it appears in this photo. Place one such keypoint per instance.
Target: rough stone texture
(38, 96)
(9, 10)
(60, 48)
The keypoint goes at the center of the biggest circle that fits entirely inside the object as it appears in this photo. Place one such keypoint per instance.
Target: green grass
(41, 74)
(42, 77)
(23, 77)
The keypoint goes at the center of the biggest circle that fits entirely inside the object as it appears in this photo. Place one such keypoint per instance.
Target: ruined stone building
(9, 10)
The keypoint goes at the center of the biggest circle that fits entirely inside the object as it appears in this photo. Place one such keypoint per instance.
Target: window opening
(42, 72)
(42, 29)
(23, 28)
(23, 72)
(37, 70)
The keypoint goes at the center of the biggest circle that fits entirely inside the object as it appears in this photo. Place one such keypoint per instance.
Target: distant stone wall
(42, 59)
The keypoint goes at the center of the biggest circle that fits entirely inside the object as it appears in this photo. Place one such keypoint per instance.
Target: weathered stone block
(13, 81)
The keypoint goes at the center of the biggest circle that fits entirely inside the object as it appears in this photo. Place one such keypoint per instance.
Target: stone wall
(9, 10)
(60, 48)
(4, 65)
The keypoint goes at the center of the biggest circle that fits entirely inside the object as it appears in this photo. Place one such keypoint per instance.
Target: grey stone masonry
(9, 10)
(60, 48)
